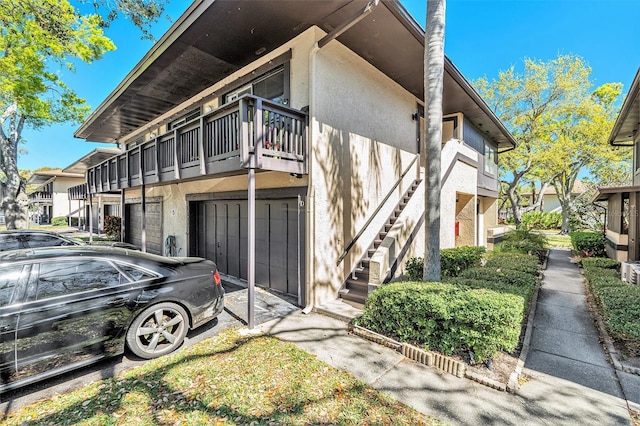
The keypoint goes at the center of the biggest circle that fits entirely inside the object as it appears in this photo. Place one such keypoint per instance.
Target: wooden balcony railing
(78, 192)
(220, 141)
(41, 197)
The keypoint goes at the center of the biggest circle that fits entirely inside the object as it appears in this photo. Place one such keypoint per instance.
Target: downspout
(310, 204)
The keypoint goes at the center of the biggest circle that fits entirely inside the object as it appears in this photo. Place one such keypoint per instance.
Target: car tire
(158, 330)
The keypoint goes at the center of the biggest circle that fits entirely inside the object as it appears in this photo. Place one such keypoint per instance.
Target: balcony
(41, 197)
(219, 143)
(78, 192)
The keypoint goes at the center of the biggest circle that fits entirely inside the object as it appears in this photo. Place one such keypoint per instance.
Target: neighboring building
(91, 209)
(622, 216)
(49, 195)
(550, 201)
(330, 116)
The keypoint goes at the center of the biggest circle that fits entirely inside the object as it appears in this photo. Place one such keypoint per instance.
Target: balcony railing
(220, 141)
(41, 197)
(78, 192)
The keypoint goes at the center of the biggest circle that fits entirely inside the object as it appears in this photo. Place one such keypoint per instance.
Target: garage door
(219, 230)
(133, 226)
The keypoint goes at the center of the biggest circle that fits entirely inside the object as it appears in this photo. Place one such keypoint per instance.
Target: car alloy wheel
(158, 330)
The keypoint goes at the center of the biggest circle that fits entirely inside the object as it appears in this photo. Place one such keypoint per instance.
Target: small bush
(60, 221)
(600, 262)
(415, 268)
(522, 241)
(452, 261)
(621, 309)
(588, 244)
(542, 220)
(112, 226)
(446, 317)
(455, 260)
(525, 292)
(514, 261)
(506, 276)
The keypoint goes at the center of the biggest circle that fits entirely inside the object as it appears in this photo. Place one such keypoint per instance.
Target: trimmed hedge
(522, 241)
(452, 261)
(60, 221)
(618, 302)
(514, 261)
(525, 292)
(588, 243)
(600, 262)
(455, 260)
(446, 317)
(507, 276)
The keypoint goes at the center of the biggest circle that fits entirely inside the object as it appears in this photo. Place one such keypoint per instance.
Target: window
(270, 86)
(10, 242)
(34, 241)
(135, 273)
(191, 115)
(10, 278)
(490, 159)
(64, 277)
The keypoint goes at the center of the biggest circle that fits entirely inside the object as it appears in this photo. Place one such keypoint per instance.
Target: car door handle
(5, 327)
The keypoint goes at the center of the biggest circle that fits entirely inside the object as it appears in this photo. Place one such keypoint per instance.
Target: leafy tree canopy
(561, 124)
(38, 39)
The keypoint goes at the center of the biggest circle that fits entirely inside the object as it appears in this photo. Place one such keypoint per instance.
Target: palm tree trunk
(434, 82)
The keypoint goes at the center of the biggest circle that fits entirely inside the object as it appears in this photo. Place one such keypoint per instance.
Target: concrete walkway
(569, 379)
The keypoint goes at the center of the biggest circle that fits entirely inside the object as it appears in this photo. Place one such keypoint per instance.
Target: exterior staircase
(356, 288)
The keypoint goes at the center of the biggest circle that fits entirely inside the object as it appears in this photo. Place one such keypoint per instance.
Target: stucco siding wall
(457, 178)
(363, 139)
(60, 196)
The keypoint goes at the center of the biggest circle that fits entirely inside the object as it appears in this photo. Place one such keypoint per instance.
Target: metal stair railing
(351, 243)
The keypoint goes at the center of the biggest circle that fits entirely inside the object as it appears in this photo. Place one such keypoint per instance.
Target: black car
(65, 307)
(28, 238)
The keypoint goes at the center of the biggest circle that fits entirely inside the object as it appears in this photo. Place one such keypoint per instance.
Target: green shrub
(506, 276)
(112, 226)
(525, 291)
(452, 261)
(60, 221)
(588, 243)
(455, 260)
(514, 261)
(445, 317)
(522, 241)
(600, 262)
(621, 309)
(542, 220)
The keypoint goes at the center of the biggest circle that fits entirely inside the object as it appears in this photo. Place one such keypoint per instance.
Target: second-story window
(490, 159)
(270, 86)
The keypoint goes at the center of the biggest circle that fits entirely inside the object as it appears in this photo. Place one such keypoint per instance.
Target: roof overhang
(626, 125)
(215, 38)
(92, 159)
(603, 194)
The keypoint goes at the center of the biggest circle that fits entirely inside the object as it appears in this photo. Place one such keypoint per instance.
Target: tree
(561, 126)
(434, 83)
(38, 38)
(581, 136)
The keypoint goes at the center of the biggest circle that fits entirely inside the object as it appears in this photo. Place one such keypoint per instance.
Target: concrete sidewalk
(569, 382)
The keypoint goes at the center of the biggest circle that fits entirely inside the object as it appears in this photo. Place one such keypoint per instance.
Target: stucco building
(48, 197)
(324, 99)
(622, 216)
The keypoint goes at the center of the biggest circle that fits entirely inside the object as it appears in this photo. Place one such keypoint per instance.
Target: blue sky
(483, 37)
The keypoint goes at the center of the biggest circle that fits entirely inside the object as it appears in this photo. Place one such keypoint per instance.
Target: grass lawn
(554, 238)
(225, 380)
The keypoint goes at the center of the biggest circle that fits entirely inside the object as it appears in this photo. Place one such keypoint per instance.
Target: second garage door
(133, 228)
